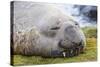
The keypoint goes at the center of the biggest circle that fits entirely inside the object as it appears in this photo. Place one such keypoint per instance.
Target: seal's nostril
(80, 43)
(81, 46)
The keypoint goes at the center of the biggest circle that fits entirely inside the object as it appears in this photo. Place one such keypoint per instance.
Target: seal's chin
(73, 50)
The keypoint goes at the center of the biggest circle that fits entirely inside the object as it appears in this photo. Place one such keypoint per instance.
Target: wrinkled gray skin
(58, 34)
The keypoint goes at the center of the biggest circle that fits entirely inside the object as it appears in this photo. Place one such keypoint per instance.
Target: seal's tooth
(71, 51)
(64, 54)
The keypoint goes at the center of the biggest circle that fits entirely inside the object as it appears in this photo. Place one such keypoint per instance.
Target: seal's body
(45, 30)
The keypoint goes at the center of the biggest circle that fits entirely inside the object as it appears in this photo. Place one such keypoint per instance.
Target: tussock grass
(89, 55)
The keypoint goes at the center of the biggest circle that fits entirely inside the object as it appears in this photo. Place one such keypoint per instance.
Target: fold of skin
(44, 30)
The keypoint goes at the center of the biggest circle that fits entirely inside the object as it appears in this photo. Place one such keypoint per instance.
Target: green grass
(89, 55)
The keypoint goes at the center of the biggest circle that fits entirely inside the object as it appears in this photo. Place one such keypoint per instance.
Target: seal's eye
(76, 23)
(55, 28)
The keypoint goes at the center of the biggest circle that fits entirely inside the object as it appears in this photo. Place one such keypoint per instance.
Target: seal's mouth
(73, 50)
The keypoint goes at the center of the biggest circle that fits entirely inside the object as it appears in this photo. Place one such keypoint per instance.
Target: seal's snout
(72, 50)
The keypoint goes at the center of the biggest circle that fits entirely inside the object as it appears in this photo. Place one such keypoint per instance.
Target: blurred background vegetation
(90, 31)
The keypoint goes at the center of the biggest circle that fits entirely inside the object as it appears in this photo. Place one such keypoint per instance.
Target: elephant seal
(44, 30)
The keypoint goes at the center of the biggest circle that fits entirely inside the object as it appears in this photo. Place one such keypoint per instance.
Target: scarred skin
(49, 35)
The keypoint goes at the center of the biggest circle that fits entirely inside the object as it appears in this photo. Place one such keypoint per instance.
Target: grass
(89, 55)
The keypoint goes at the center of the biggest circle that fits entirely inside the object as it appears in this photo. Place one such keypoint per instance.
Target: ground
(89, 55)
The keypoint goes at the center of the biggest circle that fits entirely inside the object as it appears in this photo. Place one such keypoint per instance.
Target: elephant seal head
(66, 31)
(68, 34)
